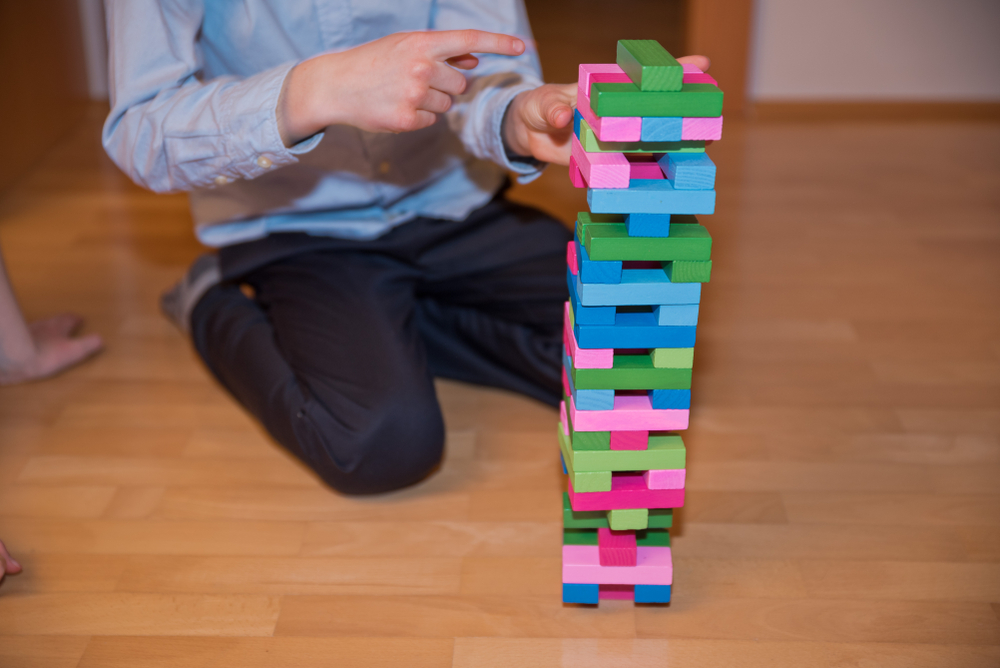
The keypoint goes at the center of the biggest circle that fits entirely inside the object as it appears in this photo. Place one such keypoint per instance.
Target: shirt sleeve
(168, 129)
(477, 115)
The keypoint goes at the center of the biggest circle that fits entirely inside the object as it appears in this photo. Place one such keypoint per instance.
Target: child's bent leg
(327, 357)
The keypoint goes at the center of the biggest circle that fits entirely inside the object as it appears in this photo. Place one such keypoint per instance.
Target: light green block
(591, 144)
(689, 271)
(665, 451)
(630, 518)
(590, 481)
(673, 358)
(660, 518)
(649, 65)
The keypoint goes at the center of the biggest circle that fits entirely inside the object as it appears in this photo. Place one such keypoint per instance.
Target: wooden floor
(844, 505)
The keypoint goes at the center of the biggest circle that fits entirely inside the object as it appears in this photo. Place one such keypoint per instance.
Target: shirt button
(221, 180)
(384, 168)
(263, 162)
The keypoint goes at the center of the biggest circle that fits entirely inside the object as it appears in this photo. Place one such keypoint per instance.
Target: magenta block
(582, 564)
(665, 478)
(585, 358)
(575, 176)
(571, 258)
(701, 78)
(628, 490)
(701, 128)
(646, 170)
(616, 592)
(601, 170)
(617, 548)
(630, 440)
(631, 413)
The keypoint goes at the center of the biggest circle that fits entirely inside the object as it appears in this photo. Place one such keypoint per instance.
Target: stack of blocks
(636, 267)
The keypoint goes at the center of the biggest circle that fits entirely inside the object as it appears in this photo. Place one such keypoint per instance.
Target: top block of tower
(649, 66)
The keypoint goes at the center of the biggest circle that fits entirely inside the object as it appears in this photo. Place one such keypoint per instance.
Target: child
(352, 178)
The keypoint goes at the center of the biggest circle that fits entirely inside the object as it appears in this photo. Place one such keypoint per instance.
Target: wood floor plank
(901, 580)
(906, 509)
(41, 651)
(82, 501)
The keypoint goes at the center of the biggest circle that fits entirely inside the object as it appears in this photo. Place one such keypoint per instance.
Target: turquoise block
(689, 171)
(648, 593)
(591, 271)
(583, 593)
(587, 315)
(638, 287)
(676, 314)
(662, 399)
(648, 224)
(650, 196)
(663, 128)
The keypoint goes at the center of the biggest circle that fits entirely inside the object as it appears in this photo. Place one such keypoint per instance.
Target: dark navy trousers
(336, 351)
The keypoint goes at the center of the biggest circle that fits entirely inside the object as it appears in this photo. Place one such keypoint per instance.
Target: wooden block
(612, 129)
(653, 538)
(672, 358)
(650, 196)
(603, 72)
(590, 481)
(629, 440)
(594, 400)
(676, 314)
(648, 224)
(582, 563)
(631, 413)
(615, 592)
(579, 536)
(594, 143)
(651, 593)
(616, 548)
(638, 287)
(706, 129)
(624, 519)
(687, 171)
(701, 78)
(585, 441)
(575, 176)
(688, 240)
(605, 271)
(665, 478)
(689, 271)
(631, 371)
(571, 257)
(593, 358)
(664, 451)
(601, 170)
(645, 170)
(635, 330)
(649, 65)
(664, 128)
(625, 99)
(628, 490)
(588, 315)
(670, 399)
(580, 593)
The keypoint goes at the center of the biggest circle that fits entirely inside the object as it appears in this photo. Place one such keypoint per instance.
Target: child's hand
(540, 122)
(398, 83)
(53, 348)
(7, 563)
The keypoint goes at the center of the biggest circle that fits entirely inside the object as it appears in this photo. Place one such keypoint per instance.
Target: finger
(11, 564)
(466, 61)
(560, 115)
(451, 43)
(435, 102)
(701, 62)
(447, 80)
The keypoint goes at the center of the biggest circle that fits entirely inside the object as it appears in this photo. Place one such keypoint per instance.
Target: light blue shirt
(194, 92)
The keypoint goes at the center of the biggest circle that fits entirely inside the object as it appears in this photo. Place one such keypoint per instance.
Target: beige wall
(878, 50)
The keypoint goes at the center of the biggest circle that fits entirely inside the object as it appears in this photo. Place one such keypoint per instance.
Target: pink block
(575, 176)
(665, 478)
(571, 258)
(562, 416)
(601, 170)
(630, 440)
(628, 490)
(616, 592)
(599, 73)
(581, 564)
(617, 548)
(646, 170)
(585, 358)
(701, 128)
(611, 128)
(691, 69)
(631, 413)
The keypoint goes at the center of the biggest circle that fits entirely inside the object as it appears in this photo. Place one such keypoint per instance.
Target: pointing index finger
(451, 43)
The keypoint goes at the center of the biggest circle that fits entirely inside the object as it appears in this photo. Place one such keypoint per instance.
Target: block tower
(636, 266)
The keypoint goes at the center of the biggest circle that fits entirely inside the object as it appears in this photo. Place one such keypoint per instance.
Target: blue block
(670, 398)
(577, 117)
(585, 593)
(563, 462)
(662, 128)
(648, 224)
(643, 593)
(587, 400)
(638, 287)
(676, 314)
(587, 315)
(689, 171)
(650, 196)
(634, 330)
(591, 271)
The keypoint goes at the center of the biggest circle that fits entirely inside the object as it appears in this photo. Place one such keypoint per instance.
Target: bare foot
(55, 349)
(7, 563)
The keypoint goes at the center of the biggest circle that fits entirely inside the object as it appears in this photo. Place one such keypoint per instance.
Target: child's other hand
(54, 349)
(540, 121)
(7, 563)
(398, 83)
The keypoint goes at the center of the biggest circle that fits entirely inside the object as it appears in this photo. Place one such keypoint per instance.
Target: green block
(688, 241)
(591, 144)
(659, 518)
(590, 481)
(688, 271)
(632, 372)
(673, 358)
(649, 66)
(587, 440)
(585, 537)
(625, 99)
(650, 538)
(631, 518)
(665, 451)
